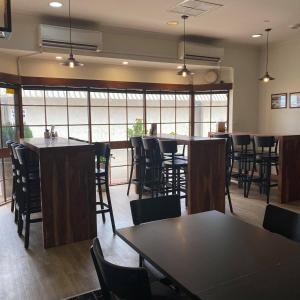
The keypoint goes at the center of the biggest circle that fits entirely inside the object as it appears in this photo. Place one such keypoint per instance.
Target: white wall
(241, 62)
(284, 65)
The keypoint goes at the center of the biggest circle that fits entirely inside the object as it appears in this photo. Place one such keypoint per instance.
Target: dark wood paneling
(212, 86)
(67, 190)
(289, 168)
(206, 176)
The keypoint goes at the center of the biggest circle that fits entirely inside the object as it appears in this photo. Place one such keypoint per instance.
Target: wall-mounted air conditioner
(200, 52)
(59, 37)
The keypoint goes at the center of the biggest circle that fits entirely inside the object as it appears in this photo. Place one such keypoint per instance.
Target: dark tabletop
(216, 256)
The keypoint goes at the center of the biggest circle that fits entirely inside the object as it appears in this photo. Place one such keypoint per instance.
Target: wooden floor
(64, 271)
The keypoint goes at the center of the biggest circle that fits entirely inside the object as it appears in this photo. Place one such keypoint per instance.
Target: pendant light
(267, 77)
(71, 62)
(184, 70)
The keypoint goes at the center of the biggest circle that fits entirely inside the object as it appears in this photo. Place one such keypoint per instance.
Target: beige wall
(284, 65)
(241, 62)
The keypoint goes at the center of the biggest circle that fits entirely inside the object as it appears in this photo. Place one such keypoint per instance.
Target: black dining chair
(102, 153)
(126, 283)
(283, 222)
(29, 202)
(14, 180)
(137, 163)
(153, 209)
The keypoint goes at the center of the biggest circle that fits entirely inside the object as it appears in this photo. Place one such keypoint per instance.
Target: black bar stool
(244, 155)
(228, 163)
(102, 152)
(265, 157)
(29, 202)
(151, 178)
(175, 169)
(14, 183)
(137, 162)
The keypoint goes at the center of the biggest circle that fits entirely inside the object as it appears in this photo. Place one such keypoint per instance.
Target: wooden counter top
(187, 138)
(37, 144)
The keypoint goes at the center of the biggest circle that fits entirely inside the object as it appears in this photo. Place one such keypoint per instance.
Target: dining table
(212, 256)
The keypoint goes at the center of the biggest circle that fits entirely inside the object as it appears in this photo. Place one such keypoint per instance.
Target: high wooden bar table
(206, 172)
(289, 163)
(68, 193)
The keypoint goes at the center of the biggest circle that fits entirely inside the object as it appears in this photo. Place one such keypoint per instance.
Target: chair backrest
(102, 153)
(168, 146)
(136, 143)
(283, 222)
(265, 142)
(124, 282)
(241, 140)
(152, 209)
(152, 151)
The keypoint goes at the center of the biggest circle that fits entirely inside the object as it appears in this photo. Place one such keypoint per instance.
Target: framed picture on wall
(295, 100)
(278, 101)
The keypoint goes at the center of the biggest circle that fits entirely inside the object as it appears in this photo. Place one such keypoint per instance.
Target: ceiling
(235, 21)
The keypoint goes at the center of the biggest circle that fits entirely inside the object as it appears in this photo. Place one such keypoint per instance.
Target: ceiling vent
(194, 7)
(59, 38)
(200, 52)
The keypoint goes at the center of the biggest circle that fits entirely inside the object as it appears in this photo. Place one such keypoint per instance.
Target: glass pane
(167, 115)
(99, 115)
(77, 98)
(118, 175)
(8, 133)
(168, 128)
(34, 131)
(213, 127)
(153, 115)
(182, 114)
(99, 98)
(202, 114)
(182, 100)
(34, 115)
(7, 169)
(57, 115)
(118, 132)
(6, 98)
(168, 100)
(8, 115)
(78, 115)
(2, 200)
(219, 100)
(100, 133)
(134, 99)
(202, 99)
(33, 97)
(55, 97)
(219, 114)
(183, 128)
(79, 132)
(136, 129)
(152, 100)
(202, 129)
(8, 189)
(134, 114)
(117, 99)
(117, 115)
(119, 157)
(62, 131)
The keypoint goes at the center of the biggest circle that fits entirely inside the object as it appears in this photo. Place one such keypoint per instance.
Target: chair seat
(177, 163)
(163, 292)
(266, 157)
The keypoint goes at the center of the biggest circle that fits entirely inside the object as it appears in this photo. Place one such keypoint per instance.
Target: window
(210, 107)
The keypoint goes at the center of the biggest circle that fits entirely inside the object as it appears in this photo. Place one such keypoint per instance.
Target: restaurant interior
(149, 149)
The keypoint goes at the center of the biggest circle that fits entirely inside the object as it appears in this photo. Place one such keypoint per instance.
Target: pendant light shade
(184, 72)
(267, 77)
(71, 62)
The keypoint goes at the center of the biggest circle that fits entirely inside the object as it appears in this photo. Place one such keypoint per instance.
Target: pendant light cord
(70, 26)
(184, 17)
(267, 61)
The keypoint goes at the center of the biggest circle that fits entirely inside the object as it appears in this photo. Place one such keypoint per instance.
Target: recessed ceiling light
(256, 35)
(58, 57)
(172, 23)
(179, 67)
(125, 62)
(55, 4)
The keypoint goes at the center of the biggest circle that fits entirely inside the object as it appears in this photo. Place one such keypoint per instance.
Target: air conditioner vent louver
(200, 52)
(59, 37)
